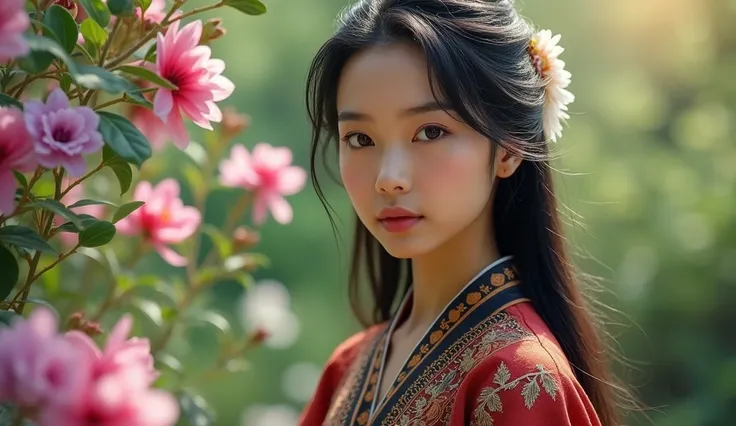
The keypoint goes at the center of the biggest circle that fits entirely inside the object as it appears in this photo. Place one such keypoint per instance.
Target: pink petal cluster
(163, 220)
(14, 22)
(62, 134)
(16, 153)
(269, 174)
(65, 380)
(198, 78)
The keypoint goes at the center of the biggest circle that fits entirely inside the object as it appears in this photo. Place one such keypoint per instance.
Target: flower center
(61, 134)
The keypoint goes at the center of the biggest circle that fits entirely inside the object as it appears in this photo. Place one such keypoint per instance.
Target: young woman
(442, 112)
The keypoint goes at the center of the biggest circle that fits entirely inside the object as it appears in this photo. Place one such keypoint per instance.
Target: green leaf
(62, 24)
(6, 100)
(212, 318)
(144, 4)
(123, 8)
(148, 75)
(118, 166)
(65, 82)
(195, 409)
(222, 243)
(126, 209)
(97, 10)
(60, 209)
(124, 138)
(86, 221)
(96, 78)
(21, 179)
(82, 203)
(11, 271)
(171, 363)
(97, 234)
(150, 309)
(24, 237)
(249, 7)
(43, 51)
(93, 33)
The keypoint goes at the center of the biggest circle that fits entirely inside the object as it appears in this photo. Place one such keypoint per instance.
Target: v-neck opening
(378, 404)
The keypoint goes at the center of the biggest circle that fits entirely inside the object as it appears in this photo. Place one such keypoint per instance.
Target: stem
(110, 299)
(47, 220)
(29, 79)
(108, 43)
(82, 179)
(196, 11)
(110, 103)
(152, 33)
(19, 208)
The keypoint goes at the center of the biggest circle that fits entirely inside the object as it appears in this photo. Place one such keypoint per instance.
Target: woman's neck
(439, 275)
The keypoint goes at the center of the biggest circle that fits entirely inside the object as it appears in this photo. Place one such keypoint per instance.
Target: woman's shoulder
(345, 353)
(523, 373)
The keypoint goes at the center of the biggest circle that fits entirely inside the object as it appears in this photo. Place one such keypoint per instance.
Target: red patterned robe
(488, 360)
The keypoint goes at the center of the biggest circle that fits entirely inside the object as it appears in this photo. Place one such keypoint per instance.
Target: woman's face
(416, 176)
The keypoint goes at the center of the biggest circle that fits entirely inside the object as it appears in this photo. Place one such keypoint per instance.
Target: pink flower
(16, 153)
(156, 11)
(118, 392)
(62, 133)
(198, 79)
(75, 194)
(14, 22)
(163, 220)
(269, 174)
(120, 353)
(37, 365)
(150, 125)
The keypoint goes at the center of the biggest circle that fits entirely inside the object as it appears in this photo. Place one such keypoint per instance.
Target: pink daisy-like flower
(185, 63)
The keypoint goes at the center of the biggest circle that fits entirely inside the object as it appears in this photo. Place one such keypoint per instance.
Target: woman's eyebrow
(430, 106)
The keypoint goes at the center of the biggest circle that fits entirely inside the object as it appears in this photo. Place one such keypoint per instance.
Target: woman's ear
(506, 163)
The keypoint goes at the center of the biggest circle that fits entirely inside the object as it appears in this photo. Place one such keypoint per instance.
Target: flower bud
(211, 31)
(233, 123)
(245, 238)
(75, 321)
(69, 5)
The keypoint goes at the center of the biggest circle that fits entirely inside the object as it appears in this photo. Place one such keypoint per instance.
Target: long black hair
(478, 63)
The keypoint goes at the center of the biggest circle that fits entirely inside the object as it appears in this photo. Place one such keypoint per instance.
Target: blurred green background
(649, 165)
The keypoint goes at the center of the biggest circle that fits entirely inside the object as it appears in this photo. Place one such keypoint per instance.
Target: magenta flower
(62, 133)
(16, 153)
(163, 220)
(14, 22)
(269, 174)
(198, 78)
(37, 365)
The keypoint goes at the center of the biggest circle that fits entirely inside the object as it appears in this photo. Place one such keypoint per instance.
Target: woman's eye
(358, 140)
(430, 133)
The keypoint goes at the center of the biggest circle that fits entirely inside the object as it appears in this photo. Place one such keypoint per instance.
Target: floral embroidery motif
(489, 401)
(429, 399)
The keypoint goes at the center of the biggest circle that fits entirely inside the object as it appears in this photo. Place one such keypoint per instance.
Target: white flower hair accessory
(545, 52)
